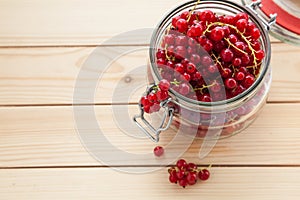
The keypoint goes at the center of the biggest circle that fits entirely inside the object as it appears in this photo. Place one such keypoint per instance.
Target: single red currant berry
(181, 52)
(219, 46)
(241, 15)
(190, 68)
(236, 62)
(241, 25)
(152, 97)
(146, 108)
(181, 25)
(228, 19)
(181, 40)
(203, 174)
(155, 107)
(195, 31)
(184, 89)
(205, 98)
(195, 58)
(240, 45)
(181, 164)
(185, 61)
(161, 54)
(239, 76)
(162, 95)
(144, 101)
(161, 62)
(232, 38)
(226, 30)
(174, 20)
(248, 81)
(260, 54)
(244, 70)
(226, 55)
(191, 167)
(255, 33)
(191, 178)
(169, 39)
(207, 16)
(213, 69)
(173, 179)
(245, 59)
(180, 174)
(226, 72)
(183, 183)
(217, 34)
(206, 60)
(197, 76)
(179, 68)
(170, 64)
(208, 46)
(256, 45)
(202, 40)
(187, 76)
(230, 83)
(164, 85)
(158, 151)
(184, 14)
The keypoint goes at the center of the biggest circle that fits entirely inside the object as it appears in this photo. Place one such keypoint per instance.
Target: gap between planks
(112, 104)
(153, 166)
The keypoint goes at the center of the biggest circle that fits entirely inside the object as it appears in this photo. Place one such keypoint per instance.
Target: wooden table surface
(43, 46)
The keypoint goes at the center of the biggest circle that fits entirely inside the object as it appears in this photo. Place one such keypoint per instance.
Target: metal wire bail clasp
(149, 130)
(267, 23)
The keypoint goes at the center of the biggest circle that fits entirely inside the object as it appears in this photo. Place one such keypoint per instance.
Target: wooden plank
(99, 183)
(48, 75)
(53, 22)
(47, 136)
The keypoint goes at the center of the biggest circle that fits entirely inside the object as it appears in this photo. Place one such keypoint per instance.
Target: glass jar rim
(238, 8)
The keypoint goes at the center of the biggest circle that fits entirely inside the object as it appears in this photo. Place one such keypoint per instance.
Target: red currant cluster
(202, 52)
(187, 173)
(151, 101)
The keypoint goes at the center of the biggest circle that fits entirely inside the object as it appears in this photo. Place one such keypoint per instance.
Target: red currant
(204, 174)
(158, 151)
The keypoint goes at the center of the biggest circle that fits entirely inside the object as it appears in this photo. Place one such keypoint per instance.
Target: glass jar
(216, 119)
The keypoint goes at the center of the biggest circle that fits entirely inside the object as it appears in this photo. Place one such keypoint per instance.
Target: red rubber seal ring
(284, 19)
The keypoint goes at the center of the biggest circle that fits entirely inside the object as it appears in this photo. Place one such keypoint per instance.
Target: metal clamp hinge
(149, 130)
(257, 4)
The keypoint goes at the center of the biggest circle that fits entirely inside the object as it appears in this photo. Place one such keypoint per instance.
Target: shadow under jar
(222, 115)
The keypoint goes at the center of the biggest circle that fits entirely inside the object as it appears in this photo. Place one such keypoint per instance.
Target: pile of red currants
(187, 173)
(207, 57)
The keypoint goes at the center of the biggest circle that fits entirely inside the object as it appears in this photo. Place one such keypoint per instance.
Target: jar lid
(286, 13)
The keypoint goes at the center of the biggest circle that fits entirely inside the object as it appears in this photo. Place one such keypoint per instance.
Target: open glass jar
(221, 116)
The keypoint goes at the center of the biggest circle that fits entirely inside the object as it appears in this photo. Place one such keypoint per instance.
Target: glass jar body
(221, 118)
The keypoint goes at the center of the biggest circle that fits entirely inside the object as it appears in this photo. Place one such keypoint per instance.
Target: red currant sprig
(151, 101)
(186, 174)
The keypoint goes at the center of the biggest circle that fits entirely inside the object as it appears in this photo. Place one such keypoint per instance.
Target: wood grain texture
(57, 23)
(47, 136)
(48, 75)
(99, 183)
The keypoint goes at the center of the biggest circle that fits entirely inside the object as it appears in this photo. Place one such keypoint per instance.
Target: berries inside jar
(210, 66)
(209, 57)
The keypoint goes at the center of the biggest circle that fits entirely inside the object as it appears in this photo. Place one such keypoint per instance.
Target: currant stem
(242, 36)
(205, 86)
(191, 12)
